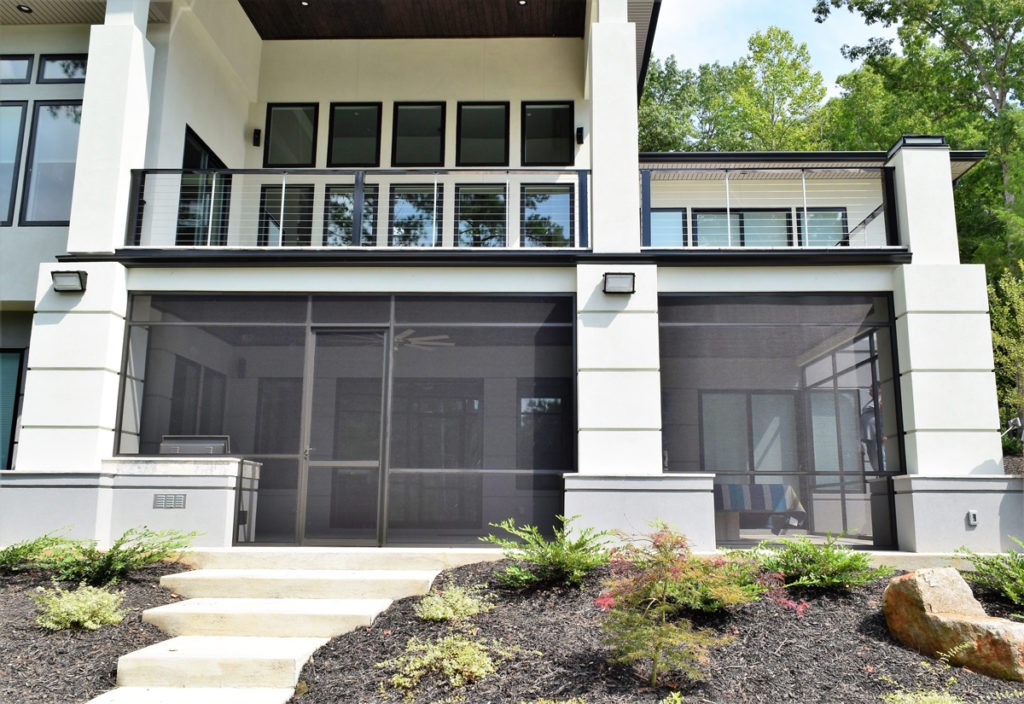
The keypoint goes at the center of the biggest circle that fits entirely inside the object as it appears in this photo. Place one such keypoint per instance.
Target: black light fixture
(579, 135)
(69, 281)
(24, 8)
(619, 282)
(256, 134)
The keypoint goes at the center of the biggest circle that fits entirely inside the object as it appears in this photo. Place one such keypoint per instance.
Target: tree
(666, 106)
(1006, 300)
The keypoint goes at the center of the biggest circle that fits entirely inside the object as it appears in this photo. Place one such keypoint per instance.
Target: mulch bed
(1013, 464)
(838, 651)
(40, 666)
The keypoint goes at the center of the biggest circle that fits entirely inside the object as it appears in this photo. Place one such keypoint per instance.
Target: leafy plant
(34, 553)
(1003, 573)
(452, 604)
(457, 658)
(83, 562)
(674, 698)
(560, 561)
(825, 565)
(85, 607)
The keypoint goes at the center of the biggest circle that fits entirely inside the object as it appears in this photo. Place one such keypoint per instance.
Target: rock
(934, 612)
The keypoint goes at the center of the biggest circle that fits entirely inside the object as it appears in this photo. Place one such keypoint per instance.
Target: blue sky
(704, 31)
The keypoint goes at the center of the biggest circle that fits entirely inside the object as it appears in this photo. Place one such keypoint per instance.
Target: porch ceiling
(69, 11)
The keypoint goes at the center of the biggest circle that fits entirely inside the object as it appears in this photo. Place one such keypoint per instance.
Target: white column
(924, 203)
(614, 158)
(115, 121)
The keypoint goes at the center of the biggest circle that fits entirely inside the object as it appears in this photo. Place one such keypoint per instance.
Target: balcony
(767, 207)
(316, 209)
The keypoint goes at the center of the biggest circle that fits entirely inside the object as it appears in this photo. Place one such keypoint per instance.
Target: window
(418, 134)
(354, 138)
(62, 68)
(15, 68)
(547, 134)
(339, 212)
(12, 130)
(415, 216)
(204, 201)
(291, 135)
(483, 134)
(289, 224)
(544, 434)
(480, 216)
(826, 227)
(50, 176)
(547, 215)
(742, 228)
(668, 227)
(10, 382)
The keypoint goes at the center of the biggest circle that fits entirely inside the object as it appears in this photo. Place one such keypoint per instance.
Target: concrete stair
(254, 616)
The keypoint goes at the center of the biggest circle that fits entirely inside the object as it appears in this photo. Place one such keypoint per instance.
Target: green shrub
(35, 553)
(452, 604)
(457, 658)
(559, 561)
(1003, 573)
(674, 698)
(138, 547)
(85, 607)
(826, 565)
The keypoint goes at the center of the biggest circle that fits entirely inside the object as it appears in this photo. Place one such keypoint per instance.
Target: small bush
(138, 547)
(826, 565)
(458, 659)
(452, 604)
(559, 561)
(1003, 573)
(674, 698)
(85, 607)
(31, 554)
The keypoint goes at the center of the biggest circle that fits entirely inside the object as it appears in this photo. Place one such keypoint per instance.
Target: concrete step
(297, 558)
(193, 695)
(299, 584)
(217, 661)
(284, 618)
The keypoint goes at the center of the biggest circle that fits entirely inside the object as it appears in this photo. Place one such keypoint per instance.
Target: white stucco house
(382, 273)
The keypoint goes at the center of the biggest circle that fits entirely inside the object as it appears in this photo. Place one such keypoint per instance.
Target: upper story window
(354, 138)
(62, 68)
(12, 130)
(291, 135)
(50, 174)
(15, 68)
(418, 134)
(482, 134)
(742, 228)
(547, 129)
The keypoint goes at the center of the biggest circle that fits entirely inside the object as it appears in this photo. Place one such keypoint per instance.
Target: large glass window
(825, 227)
(291, 135)
(354, 138)
(339, 212)
(418, 134)
(483, 134)
(480, 215)
(10, 383)
(50, 175)
(547, 215)
(204, 200)
(416, 212)
(62, 68)
(548, 134)
(15, 68)
(12, 129)
(668, 227)
(791, 400)
(288, 223)
(742, 228)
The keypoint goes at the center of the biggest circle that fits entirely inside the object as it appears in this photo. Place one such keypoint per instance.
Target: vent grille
(168, 501)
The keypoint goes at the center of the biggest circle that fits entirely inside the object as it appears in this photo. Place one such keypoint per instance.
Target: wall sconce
(69, 281)
(256, 134)
(579, 135)
(619, 282)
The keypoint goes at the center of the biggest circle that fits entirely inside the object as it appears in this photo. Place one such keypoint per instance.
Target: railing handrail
(352, 172)
(731, 169)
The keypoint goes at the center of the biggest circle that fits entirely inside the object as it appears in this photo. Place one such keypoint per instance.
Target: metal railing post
(280, 222)
(645, 207)
(433, 216)
(357, 209)
(213, 197)
(807, 222)
(728, 210)
(584, 218)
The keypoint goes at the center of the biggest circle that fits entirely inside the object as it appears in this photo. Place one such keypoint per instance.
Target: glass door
(343, 458)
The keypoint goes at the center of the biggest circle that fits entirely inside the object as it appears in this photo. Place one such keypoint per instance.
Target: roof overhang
(64, 12)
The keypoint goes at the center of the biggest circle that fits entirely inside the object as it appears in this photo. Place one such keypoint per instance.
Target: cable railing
(317, 208)
(769, 208)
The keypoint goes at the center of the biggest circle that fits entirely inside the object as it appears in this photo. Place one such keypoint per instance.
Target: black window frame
(17, 159)
(371, 194)
(44, 58)
(28, 71)
(22, 353)
(438, 218)
(459, 161)
(265, 216)
(267, 134)
(684, 216)
(802, 235)
(394, 131)
(29, 155)
(694, 212)
(457, 234)
(333, 163)
(524, 106)
(572, 214)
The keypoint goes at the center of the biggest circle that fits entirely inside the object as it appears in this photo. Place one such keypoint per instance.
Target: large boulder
(934, 612)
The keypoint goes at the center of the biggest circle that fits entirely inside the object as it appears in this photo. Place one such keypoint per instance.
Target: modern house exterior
(383, 273)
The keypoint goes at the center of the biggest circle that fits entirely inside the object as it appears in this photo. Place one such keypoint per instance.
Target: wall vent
(168, 501)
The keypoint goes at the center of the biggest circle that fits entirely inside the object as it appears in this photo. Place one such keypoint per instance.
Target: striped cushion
(756, 497)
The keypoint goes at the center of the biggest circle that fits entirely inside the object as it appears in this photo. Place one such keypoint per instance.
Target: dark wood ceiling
(415, 19)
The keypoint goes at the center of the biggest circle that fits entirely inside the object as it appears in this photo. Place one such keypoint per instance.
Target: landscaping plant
(457, 658)
(825, 565)
(85, 607)
(32, 554)
(82, 561)
(1003, 573)
(453, 604)
(563, 560)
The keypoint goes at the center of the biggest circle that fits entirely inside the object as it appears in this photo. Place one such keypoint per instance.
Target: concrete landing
(299, 583)
(194, 695)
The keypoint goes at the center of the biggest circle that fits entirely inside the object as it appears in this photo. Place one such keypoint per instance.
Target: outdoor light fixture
(579, 135)
(69, 281)
(24, 8)
(256, 134)
(619, 282)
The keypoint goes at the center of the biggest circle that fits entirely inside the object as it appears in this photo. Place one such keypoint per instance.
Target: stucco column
(115, 122)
